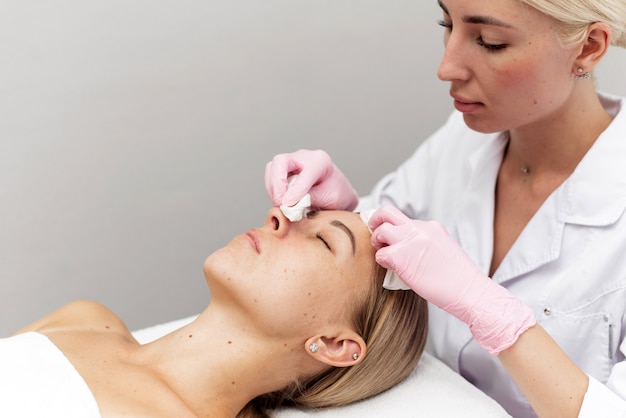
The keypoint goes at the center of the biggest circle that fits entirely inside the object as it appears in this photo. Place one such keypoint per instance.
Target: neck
(556, 145)
(215, 364)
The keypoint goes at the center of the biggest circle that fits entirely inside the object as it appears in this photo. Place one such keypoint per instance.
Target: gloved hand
(317, 175)
(430, 261)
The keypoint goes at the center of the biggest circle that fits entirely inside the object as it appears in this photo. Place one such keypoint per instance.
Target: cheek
(530, 80)
(297, 300)
(520, 92)
(517, 76)
(303, 281)
(313, 292)
(298, 281)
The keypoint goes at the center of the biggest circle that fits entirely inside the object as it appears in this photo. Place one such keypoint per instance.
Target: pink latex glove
(431, 262)
(317, 175)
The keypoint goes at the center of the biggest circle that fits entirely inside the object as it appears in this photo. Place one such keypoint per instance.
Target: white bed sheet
(431, 390)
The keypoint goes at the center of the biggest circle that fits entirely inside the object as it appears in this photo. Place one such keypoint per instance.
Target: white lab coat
(568, 264)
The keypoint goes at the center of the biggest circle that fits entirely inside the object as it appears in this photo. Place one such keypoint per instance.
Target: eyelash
(479, 40)
(321, 238)
(490, 47)
(444, 24)
(311, 213)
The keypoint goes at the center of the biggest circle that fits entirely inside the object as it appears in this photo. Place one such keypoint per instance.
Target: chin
(482, 125)
(217, 264)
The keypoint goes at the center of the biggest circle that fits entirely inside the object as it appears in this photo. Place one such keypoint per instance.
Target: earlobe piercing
(582, 75)
(313, 347)
(355, 356)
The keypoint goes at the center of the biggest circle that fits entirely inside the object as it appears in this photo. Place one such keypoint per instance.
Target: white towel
(37, 380)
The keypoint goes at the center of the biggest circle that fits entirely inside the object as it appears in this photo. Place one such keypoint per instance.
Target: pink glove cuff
(496, 317)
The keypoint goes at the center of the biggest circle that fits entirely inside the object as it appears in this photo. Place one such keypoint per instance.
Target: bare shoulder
(78, 315)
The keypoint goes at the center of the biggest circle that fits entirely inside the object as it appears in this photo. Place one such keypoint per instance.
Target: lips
(465, 105)
(253, 239)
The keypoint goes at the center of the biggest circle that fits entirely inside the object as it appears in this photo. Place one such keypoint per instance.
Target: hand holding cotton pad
(392, 280)
(296, 212)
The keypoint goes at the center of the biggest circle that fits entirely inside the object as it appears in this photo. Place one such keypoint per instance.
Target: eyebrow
(348, 232)
(478, 20)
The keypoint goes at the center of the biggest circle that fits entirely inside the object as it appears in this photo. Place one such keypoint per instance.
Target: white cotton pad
(296, 212)
(392, 280)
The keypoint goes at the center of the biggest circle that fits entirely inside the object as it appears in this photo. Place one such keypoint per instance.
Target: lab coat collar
(474, 224)
(594, 196)
(595, 193)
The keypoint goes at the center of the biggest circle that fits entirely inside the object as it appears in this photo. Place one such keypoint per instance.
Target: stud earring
(355, 356)
(313, 348)
(582, 75)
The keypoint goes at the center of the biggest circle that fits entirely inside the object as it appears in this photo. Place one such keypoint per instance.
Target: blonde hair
(394, 325)
(576, 15)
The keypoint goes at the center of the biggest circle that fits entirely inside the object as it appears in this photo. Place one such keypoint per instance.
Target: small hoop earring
(313, 348)
(355, 356)
(582, 75)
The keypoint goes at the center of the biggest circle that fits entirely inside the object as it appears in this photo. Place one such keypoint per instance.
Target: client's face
(291, 277)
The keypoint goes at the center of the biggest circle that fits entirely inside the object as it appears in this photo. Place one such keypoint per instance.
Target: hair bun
(619, 39)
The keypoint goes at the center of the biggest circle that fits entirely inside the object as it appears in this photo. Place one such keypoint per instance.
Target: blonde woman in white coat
(528, 178)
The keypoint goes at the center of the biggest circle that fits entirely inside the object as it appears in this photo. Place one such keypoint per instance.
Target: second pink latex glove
(317, 175)
(431, 262)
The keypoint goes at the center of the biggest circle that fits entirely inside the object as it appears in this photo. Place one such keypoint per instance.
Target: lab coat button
(547, 311)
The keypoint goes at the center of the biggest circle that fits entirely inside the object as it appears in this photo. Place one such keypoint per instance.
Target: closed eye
(490, 47)
(321, 238)
(311, 213)
(444, 24)
(480, 41)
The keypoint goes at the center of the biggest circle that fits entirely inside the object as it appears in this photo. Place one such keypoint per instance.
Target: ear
(594, 47)
(342, 350)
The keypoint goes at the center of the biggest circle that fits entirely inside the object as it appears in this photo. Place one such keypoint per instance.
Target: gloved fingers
(387, 214)
(404, 252)
(275, 187)
(305, 183)
(277, 173)
(385, 235)
(317, 176)
(385, 257)
(334, 193)
(283, 166)
(314, 168)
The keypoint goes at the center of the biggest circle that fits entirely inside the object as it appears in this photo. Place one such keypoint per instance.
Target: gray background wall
(134, 134)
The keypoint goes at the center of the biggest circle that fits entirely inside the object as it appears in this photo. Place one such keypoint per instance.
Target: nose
(453, 65)
(277, 222)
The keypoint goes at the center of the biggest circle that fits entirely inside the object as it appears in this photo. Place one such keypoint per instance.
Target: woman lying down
(298, 316)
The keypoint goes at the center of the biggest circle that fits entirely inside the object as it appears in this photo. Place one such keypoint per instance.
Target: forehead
(514, 16)
(509, 12)
(514, 12)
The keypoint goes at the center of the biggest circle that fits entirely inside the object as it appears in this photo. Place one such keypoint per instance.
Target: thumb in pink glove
(430, 261)
(317, 175)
